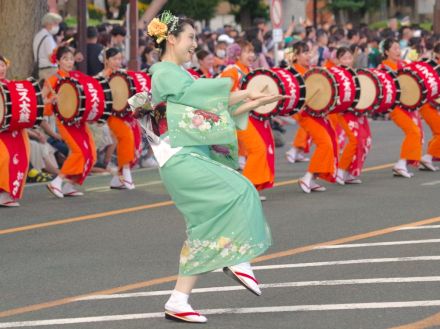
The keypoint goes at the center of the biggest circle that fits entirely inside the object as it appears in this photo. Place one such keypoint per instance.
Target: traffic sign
(276, 13)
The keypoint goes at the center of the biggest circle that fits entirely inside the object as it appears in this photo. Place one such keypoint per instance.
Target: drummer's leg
(256, 168)
(432, 118)
(323, 159)
(125, 150)
(299, 144)
(411, 149)
(349, 151)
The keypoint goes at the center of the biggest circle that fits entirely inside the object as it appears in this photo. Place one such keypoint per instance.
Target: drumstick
(313, 96)
(265, 88)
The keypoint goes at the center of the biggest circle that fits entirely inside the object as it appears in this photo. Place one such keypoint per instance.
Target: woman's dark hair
(104, 38)
(63, 50)
(437, 48)
(386, 46)
(300, 47)
(201, 54)
(148, 49)
(111, 52)
(182, 22)
(342, 51)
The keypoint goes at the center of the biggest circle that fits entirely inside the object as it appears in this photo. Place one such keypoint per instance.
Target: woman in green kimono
(226, 227)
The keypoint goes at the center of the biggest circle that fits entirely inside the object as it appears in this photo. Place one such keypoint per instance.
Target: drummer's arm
(238, 96)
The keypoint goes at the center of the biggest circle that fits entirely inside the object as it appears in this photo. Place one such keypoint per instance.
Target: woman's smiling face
(184, 45)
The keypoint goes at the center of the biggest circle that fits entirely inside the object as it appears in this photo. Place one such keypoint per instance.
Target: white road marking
(374, 244)
(107, 187)
(273, 285)
(346, 262)
(254, 310)
(418, 227)
(436, 182)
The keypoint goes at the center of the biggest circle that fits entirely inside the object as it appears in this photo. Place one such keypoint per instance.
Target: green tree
(196, 9)
(246, 10)
(352, 10)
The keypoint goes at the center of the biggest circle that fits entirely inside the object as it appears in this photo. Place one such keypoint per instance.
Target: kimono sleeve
(176, 87)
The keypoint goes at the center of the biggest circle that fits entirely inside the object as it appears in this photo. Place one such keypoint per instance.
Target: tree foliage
(246, 10)
(355, 5)
(195, 9)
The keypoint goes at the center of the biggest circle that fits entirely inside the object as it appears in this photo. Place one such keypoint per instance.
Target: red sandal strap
(247, 276)
(186, 314)
(55, 188)
(301, 182)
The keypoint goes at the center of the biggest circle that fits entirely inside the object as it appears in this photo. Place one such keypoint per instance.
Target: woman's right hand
(270, 99)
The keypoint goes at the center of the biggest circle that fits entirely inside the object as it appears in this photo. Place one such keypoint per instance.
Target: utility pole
(437, 17)
(82, 34)
(133, 63)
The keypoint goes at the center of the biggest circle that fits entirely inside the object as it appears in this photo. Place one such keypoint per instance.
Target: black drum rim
(423, 91)
(79, 90)
(334, 95)
(281, 90)
(7, 101)
(302, 90)
(131, 91)
(379, 90)
(40, 101)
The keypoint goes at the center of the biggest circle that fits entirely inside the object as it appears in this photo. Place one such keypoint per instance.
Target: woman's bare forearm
(238, 96)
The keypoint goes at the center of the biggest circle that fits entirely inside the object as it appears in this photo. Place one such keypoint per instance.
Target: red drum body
(321, 92)
(429, 70)
(82, 99)
(371, 92)
(435, 103)
(141, 81)
(194, 73)
(21, 104)
(122, 88)
(279, 82)
(390, 90)
(413, 91)
(348, 88)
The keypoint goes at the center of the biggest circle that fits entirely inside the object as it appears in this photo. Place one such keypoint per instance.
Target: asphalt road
(339, 259)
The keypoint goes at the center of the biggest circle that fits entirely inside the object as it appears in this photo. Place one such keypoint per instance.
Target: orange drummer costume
(301, 141)
(256, 142)
(356, 150)
(323, 163)
(411, 125)
(14, 165)
(127, 132)
(82, 151)
(432, 117)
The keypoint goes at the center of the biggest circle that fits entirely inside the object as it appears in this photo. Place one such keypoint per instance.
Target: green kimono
(223, 213)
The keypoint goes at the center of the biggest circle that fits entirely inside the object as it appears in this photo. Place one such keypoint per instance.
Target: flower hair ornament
(381, 47)
(158, 27)
(53, 56)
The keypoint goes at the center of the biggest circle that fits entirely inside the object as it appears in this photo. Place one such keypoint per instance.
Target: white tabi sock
(401, 164)
(427, 157)
(177, 298)
(308, 178)
(57, 182)
(69, 188)
(126, 173)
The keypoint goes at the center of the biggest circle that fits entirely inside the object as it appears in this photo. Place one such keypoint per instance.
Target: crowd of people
(226, 52)
(200, 131)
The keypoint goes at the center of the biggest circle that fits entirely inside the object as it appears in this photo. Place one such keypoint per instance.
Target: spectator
(206, 64)
(148, 58)
(118, 35)
(94, 49)
(44, 44)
